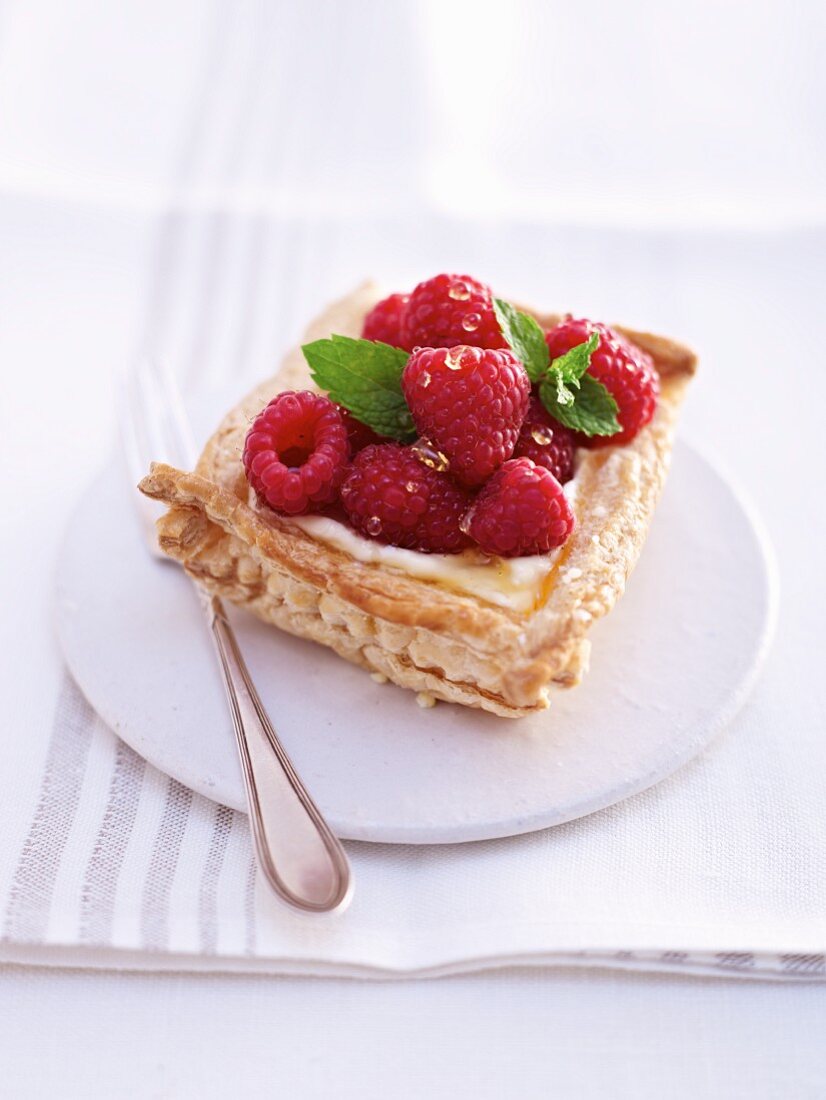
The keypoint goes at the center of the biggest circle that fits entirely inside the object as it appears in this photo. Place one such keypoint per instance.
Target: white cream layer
(515, 583)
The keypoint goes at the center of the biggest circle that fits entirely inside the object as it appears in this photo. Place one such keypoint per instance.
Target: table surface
(82, 199)
(531, 1035)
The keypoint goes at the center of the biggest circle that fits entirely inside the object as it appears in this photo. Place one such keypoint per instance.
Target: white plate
(670, 666)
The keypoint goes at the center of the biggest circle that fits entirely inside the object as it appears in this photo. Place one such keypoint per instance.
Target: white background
(645, 112)
(591, 155)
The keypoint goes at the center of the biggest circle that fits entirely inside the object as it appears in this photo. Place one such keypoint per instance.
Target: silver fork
(299, 856)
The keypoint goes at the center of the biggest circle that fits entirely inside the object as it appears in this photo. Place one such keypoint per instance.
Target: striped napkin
(117, 854)
(105, 862)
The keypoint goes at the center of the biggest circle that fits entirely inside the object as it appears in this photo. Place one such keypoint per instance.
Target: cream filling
(515, 583)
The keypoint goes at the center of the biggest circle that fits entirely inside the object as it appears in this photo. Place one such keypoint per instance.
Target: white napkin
(104, 861)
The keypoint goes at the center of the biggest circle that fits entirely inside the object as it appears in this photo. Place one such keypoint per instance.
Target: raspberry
(359, 435)
(522, 510)
(626, 371)
(296, 452)
(469, 403)
(547, 442)
(390, 495)
(449, 310)
(385, 321)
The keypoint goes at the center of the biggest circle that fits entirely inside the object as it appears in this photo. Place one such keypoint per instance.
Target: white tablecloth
(520, 1034)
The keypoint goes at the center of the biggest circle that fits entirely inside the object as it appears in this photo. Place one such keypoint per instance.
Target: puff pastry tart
(410, 521)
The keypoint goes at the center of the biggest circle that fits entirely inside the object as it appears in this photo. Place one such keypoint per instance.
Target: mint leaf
(525, 337)
(365, 376)
(593, 411)
(577, 399)
(574, 363)
(567, 370)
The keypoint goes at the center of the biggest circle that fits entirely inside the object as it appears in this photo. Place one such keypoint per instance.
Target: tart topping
(296, 452)
(390, 495)
(547, 442)
(452, 309)
(491, 456)
(385, 320)
(522, 510)
(469, 403)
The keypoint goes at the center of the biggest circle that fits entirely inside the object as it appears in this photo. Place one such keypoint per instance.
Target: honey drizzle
(550, 579)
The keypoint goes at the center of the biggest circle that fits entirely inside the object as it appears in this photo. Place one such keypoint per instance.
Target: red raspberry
(296, 452)
(626, 371)
(547, 442)
(449, 310)
(391, 495)
(522, 510)
(469, 403)
(359, 435)
(385, 321)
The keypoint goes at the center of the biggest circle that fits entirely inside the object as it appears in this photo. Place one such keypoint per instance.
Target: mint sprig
(573, 364)
(525, 337)
(573, 397)
(365, 376)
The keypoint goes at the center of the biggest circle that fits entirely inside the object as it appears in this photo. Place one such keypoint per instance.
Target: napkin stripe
(804, 964)
(105, 863)
(249, 907)
(162, 867)
(30, 896)
(208, 895)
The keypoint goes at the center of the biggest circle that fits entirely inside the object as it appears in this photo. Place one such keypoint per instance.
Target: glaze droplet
(542, 434)
(429, 456)
(454, 359)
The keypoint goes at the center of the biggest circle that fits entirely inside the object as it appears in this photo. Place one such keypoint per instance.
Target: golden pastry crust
(418, 633)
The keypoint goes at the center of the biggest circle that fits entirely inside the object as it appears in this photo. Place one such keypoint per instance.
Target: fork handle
(300, 857)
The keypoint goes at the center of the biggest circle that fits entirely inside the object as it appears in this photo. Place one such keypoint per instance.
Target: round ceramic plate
(669, 668)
